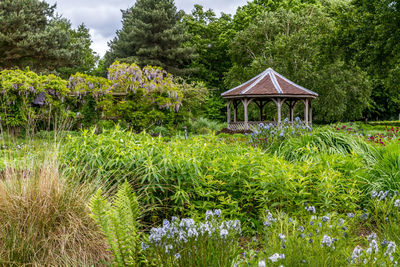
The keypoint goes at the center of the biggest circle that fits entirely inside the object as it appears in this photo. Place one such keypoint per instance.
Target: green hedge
(385, 123)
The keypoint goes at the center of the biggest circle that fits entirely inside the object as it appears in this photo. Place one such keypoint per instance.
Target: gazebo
(265, 87)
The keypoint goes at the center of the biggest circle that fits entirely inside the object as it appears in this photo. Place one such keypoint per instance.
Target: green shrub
(204, 126)
(385, 123)
(160, 130)
(384, 174)
(188, 177)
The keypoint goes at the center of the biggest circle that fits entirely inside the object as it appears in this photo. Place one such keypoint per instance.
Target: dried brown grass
(44, 220)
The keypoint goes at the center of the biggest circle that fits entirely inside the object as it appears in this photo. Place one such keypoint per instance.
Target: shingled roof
(269, 84)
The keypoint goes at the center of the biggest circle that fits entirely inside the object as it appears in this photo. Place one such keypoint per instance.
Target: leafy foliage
(297, 44)
(210, 37)
(371, 41)
(119, 223)
(184, 177)
(31, 35)
(21, 94)
(139, 97)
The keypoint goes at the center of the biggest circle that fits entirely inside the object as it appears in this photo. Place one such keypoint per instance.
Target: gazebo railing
(253, 125)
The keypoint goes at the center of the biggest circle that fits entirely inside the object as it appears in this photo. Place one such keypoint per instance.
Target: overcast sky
(103, 17)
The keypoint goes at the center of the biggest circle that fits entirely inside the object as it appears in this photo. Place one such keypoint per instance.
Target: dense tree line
(345, 50)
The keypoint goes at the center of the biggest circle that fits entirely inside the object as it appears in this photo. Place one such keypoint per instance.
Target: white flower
(397, 203)
(261, 263)
(209, 214)
(144, 246)
(182, 236)
(310, 209)
(325, 218)
(373, 247)
(391, 248)
(372, 236)
(192, 232)
(282, 237)
(327, 241)
(177, 256)
(217, 212)
(168, 248)
(276, 257)
(356, 253)
(188, 223)
(224, 233)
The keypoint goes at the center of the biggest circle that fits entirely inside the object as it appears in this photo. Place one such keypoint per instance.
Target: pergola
(265, 87)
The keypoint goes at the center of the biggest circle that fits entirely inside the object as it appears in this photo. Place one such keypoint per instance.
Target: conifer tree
(152, 34)
(32, 35)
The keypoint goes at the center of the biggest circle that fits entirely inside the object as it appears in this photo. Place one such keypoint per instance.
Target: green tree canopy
(152, 34)
(31, 35)
(211, 37)
(369, 35)
(299, 44)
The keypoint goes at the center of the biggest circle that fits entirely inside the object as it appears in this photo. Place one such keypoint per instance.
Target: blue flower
(325, 218)
(144, 246)
(217, 212)
(364, 216)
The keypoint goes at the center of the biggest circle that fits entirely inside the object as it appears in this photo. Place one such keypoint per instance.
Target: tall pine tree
(152, 34)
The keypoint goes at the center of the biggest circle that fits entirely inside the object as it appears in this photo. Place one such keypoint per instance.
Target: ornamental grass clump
(44, 219)
(186, 242)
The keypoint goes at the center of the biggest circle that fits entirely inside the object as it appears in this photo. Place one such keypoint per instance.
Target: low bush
(385, 123)
(204, 126)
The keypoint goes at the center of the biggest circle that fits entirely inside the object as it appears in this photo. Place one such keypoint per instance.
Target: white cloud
(103, 17)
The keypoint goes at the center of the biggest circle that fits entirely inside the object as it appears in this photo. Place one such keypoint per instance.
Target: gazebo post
(292, 111)
(279, 105)
(310, 113)
(245, 102)
(306, 111)
(279, 102)
(228, 112)
(260, 105)
(291, 104)
(235, 105)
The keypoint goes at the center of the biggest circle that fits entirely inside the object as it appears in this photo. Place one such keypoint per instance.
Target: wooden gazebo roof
(269, 84)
